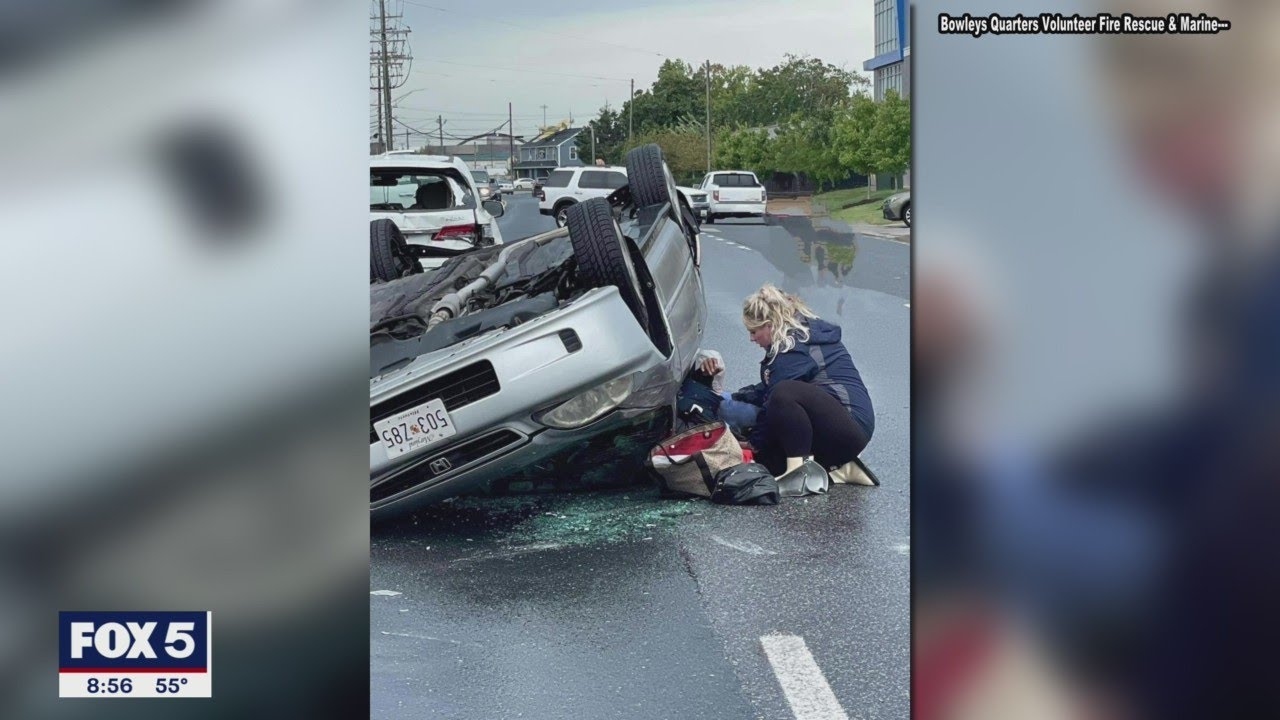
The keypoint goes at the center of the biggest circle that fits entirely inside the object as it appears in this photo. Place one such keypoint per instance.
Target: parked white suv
(435, 203)
(733, 193)
(566, 186)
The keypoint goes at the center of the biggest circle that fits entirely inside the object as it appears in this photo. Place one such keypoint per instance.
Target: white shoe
(853, 473)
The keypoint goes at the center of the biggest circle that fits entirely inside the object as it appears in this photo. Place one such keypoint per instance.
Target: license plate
(416, 428)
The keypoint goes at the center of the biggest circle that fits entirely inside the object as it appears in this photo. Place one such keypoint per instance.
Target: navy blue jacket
(822, 361)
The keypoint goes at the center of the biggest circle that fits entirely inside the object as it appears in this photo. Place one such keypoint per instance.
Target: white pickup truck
(733, 193)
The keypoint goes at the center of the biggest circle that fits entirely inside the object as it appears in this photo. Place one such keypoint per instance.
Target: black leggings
(806, 420)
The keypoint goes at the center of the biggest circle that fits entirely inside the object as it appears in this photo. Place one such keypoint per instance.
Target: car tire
(601, 252)
(389, 256)
(650, 178)
(711, 220)
(906, 214)
(559, 213)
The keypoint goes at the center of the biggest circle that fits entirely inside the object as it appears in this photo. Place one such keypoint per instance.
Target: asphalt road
(623, 605)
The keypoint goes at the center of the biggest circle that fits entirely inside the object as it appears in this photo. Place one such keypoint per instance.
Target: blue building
(891, 67)
(892, 64)
(543, 154)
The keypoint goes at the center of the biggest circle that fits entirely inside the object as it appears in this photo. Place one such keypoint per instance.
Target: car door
(669, 256)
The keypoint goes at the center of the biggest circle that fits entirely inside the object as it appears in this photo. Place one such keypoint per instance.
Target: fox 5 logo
(124, 641)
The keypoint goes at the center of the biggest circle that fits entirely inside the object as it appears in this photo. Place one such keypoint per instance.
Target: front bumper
(609, 452)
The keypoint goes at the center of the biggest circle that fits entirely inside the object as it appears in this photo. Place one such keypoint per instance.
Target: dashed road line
(802, 681)
(744, 546)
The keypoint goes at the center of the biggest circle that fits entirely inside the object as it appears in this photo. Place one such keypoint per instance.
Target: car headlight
(588, 406)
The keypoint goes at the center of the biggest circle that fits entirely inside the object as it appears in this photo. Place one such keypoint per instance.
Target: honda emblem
(441, 465)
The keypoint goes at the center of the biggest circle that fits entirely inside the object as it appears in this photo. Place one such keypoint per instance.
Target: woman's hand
(711, 366)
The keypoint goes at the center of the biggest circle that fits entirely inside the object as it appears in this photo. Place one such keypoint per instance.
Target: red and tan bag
(686, 464)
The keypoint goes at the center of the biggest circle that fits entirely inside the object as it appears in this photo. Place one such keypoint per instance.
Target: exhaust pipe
(450, 306)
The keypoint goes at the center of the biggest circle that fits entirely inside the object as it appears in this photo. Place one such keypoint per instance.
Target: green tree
(731, 96)
(805, 145)
(806, 98)
(611, 134)
(890, 136)
(685, 151)
(799, 86)
(745, 149)
(677, 96)
(851, 137)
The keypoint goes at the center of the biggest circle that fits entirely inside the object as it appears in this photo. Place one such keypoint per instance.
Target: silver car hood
(433, 363)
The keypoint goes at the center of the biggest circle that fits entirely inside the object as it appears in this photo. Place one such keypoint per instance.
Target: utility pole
(631, 108)
(708, 116)
(389, 56)
(544, 118)
(386, 74)
(406, 138)
(511, 141)
(593, 143)
(440, 122)
(382, 139)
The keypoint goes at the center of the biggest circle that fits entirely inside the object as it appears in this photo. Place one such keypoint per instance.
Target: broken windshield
(416, 189)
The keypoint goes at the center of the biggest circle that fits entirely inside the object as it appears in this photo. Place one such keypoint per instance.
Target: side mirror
(494, 208)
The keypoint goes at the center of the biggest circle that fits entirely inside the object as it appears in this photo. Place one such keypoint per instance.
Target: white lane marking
(802, 681)
(387, 593)
(510, 552)
(902, 549)
(432, 639)
(906, 305)
(745, 546)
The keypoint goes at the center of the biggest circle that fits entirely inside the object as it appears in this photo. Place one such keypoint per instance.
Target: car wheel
(389, 256)
(650, 179)
(711, 220)
(561, 213)
(906, 215)
(601, 253)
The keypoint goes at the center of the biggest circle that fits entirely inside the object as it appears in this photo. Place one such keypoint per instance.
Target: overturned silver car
(549, 361)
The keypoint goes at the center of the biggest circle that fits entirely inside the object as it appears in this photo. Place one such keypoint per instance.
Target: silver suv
(567, 186)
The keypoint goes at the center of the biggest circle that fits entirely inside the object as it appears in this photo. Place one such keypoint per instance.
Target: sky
(574, 57)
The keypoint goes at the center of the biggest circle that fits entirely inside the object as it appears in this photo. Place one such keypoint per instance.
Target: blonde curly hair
(782, 312)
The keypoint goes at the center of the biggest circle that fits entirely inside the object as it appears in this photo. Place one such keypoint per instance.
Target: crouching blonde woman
(816, 409)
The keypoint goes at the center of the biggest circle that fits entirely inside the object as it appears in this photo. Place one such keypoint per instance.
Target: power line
(544, 31)
(535, 72)
(478, 115)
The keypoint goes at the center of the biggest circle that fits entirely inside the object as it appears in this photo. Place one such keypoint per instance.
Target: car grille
(457, 389)
(445, 461)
